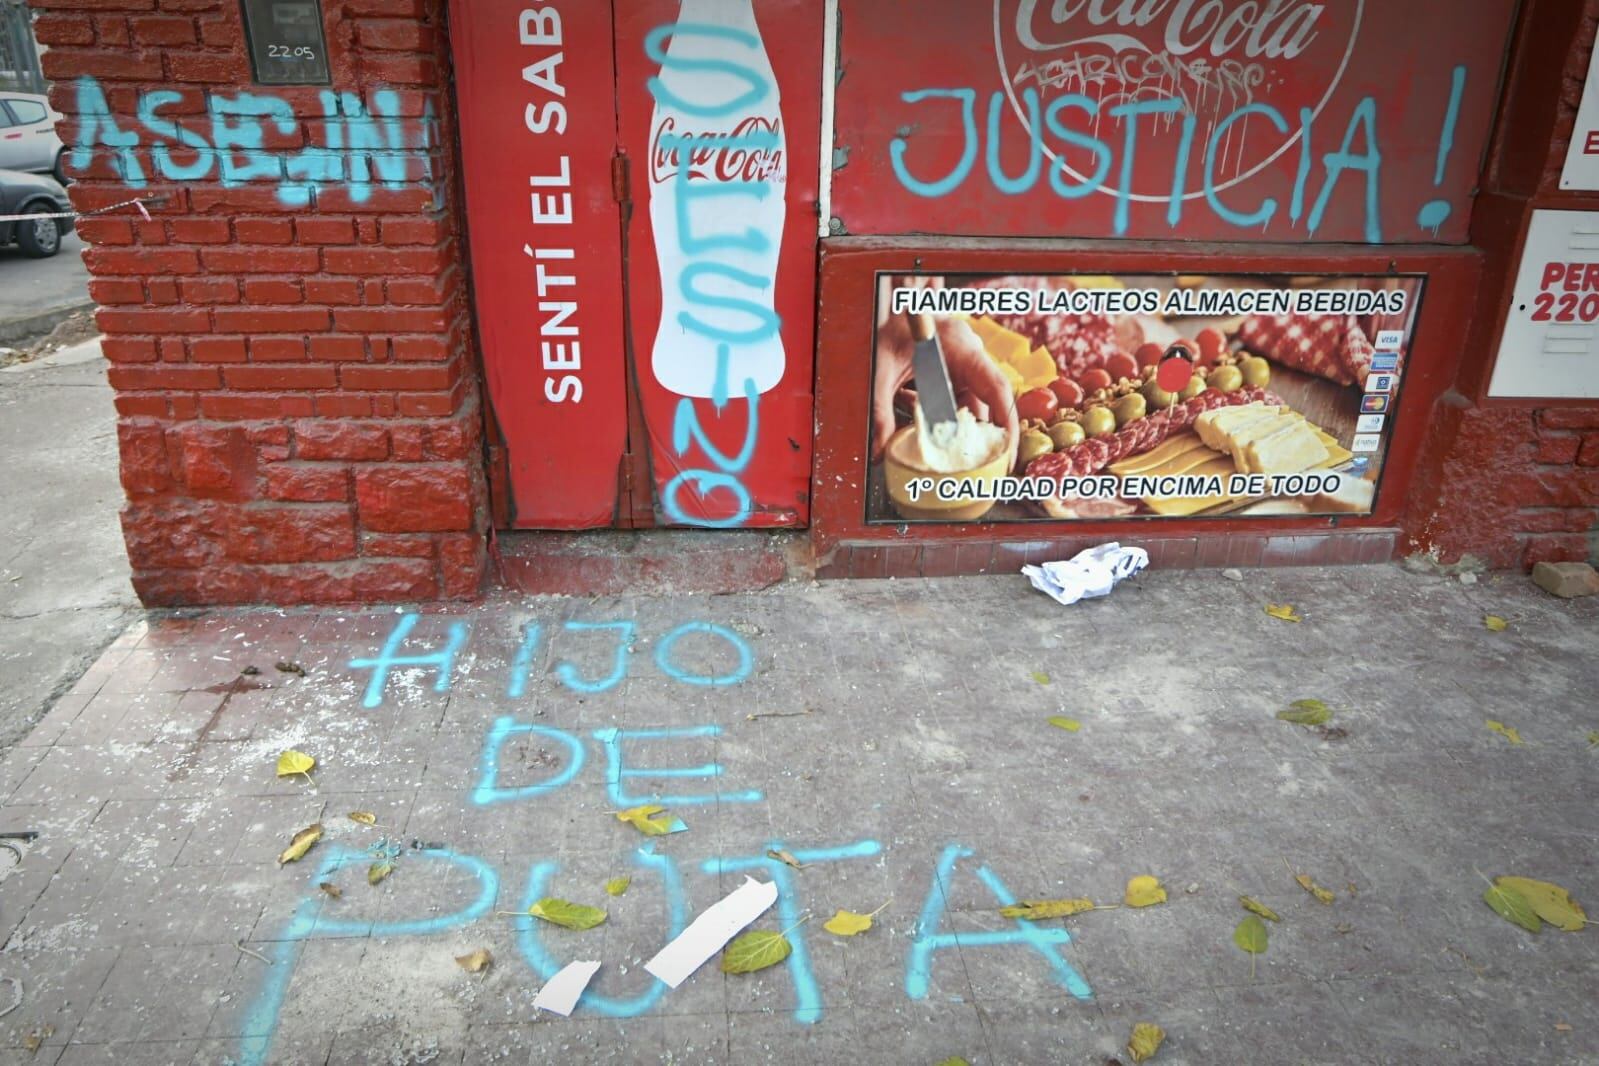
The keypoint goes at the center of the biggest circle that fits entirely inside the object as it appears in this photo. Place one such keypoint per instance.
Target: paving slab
(892, 737)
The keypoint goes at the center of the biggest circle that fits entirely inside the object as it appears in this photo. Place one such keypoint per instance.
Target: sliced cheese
(1180, 445)
(1214, 427)
(1292, 449)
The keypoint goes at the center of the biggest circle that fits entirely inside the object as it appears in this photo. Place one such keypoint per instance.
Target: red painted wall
(288, 331)
(1516, 482)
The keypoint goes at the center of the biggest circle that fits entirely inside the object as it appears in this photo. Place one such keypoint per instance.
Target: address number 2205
(284, 51)
(1566, 307)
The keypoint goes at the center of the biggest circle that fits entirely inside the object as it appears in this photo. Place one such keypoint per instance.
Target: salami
(1142, 435)
(1077, 342)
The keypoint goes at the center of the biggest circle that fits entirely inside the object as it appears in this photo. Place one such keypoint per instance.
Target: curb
(15, 329)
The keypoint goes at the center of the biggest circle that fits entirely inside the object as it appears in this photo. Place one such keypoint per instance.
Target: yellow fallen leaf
(1036, 909)
(848, 923)
(1071, 725)
(1549, 901)
(785, 857)
(475, 962)
(1145, 1041)
(1040, 677)
(302, 843)
(1593, 739)
(1254, 906)
(1494, 623)
(1285, 611)
(1562, 1027)
(641, 818)
(617, 885)
(1144, 891)
(364, 817)
(1314, 889)
(378, 871)
(1508, 732)
(292, 763)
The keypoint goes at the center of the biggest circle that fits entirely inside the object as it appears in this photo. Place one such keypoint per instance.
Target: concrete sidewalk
(892, 736)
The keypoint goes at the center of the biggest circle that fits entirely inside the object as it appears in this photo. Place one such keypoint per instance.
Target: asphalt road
(32, 288)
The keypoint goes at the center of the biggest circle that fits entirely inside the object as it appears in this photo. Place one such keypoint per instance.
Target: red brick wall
(1517, 483)
(299, 414)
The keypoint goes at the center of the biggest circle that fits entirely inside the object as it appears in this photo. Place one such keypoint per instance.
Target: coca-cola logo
(726, 156)
(1215, 56)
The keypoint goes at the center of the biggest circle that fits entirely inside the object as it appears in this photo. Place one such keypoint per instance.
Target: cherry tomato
(1148, 354)
(1095, 379)
(1040, 404)
(1212, 342)
(1067, 391)
(1121, 365)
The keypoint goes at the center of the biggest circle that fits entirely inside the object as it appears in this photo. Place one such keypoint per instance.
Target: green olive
(1158, 397)
(1227, 378)
(1099, 422)
(1257, 371)
(1195, 386)
(1033, 444)
(1129, 408)
(1066, 435)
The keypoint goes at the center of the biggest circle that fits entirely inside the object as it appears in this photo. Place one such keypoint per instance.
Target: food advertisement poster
(1093, 397)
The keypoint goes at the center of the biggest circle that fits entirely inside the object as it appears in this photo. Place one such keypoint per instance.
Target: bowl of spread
(968, 456)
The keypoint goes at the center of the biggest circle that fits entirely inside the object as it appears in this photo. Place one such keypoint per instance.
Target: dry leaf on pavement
(1035, 909)
(1548, 901)
(1321, 894)
(302, 843)
(1145, 1041)
(294, 763)
(475, 962)
(1285, 611)
(1144, 891)
(1254, 906)
(755, 950)
(1510, 733)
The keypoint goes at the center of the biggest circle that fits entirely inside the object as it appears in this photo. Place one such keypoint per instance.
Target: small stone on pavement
(1566, 580)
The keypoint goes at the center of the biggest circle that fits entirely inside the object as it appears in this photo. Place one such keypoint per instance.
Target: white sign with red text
(1550, 345)
(1582, 154)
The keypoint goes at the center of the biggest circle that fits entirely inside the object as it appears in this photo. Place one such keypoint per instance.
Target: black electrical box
(286, 42)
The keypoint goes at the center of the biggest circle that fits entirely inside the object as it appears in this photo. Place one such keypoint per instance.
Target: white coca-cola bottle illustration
(719, 270)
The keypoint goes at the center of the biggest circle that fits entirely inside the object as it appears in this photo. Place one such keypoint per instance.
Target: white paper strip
(711, 931)
(560, 993)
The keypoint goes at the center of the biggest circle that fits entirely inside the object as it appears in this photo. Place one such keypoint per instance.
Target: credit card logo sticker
(1373, 404)
(1369, 424)
(1381, 382)
(1390, 338)
(1365, 442)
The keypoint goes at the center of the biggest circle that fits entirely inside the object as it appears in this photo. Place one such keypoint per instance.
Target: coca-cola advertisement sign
(734, 156)
(1217, 57)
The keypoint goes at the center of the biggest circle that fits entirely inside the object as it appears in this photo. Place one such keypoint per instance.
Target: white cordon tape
(138, 202)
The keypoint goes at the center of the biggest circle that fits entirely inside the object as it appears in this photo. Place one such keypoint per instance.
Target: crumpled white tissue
(1090, 573)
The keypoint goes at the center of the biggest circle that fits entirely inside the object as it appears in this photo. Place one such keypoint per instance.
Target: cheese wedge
(1288, 450)
(1177, 446)
(1214, 427)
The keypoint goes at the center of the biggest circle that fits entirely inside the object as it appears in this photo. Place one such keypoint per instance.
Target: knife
(933, 390)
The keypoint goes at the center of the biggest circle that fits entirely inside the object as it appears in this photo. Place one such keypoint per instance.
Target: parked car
(33, 194)
(28, 138)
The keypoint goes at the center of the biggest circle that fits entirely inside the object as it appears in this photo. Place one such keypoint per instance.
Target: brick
(142, 405)
(341, 440)
(411, 230)
(406, 442)
(264, 230)
(115, 231)
(152, 320)
(429, 292)
(390, 319)
(400, 545)
(1567, 580)
(236, 200)
(215, 461)
(338, 348)
(162, 29)
(419, 349)
(58, 30)
(261, 259)
(389, 8)
(425, 405)
(384, 261)
(431, 498)
(397, 378)
(400, 69)
(134, 378)
(63, 64)
(336, 291)
(1555, 548)
(277, 349)
(200, 230)
(217, 349)
(208, 67)
(451, 441)
(128, 349)
(270, 319)
(237, 407)
(116, 291)
(307, 482)
(163, 535)
(279, 377)
(143, 450)
(1569, 418)
(1589, 455)
(162, 290)
(462, 565)
(272, 291)
(219, 33)
(1555, 520)
(294, 534)
(209, 290)
(324, 230)
(141, 262)
(112, 31)
(399, 579)
(394, 35)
